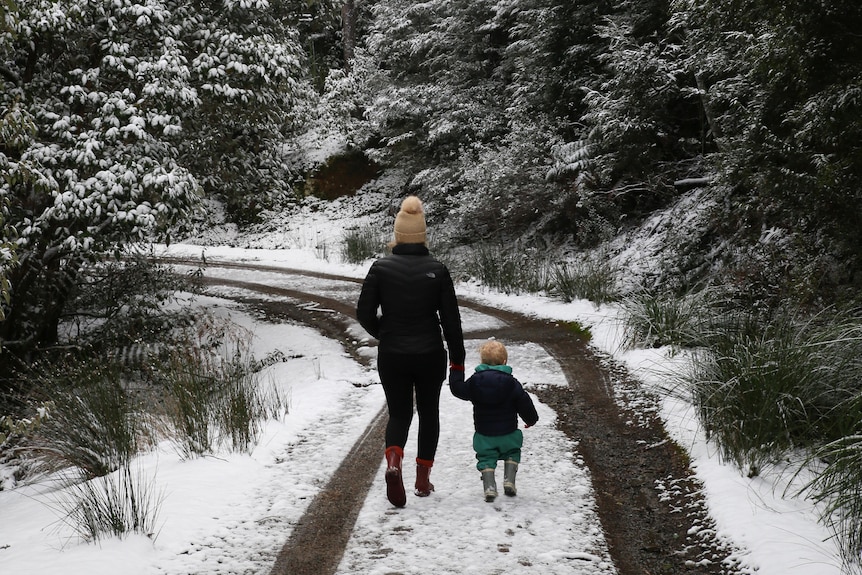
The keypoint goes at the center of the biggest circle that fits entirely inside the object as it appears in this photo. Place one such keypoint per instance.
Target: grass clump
(90, 422)
(361, 244)
(113, 505)
(509, 269)
(516, 269)
(593, 279)
(653, 321)
(763, 389)
(91, 418)
(215, 396)
(89, 431)
(838, 487)
(766, 388)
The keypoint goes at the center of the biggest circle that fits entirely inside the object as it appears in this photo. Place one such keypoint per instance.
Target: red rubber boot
(394, 483)
(424, 487)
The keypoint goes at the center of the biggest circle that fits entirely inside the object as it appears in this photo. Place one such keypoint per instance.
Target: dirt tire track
(649, 530)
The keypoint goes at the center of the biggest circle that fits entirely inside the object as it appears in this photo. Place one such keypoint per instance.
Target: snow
(231, 513)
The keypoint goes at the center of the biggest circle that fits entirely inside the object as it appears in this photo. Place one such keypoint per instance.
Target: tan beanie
(410, 222)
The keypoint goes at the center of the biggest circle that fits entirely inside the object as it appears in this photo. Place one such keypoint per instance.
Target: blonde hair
(492, 352)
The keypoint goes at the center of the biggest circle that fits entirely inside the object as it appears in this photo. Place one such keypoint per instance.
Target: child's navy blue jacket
(498, 399)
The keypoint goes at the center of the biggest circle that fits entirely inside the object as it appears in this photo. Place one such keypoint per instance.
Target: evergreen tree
(10, 124)
(536, 113)
(461, 104)
(644, 122)
(132, 108)
(783, 84)
(435, 60)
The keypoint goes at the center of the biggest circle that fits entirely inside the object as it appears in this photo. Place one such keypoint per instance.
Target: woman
(416, 297)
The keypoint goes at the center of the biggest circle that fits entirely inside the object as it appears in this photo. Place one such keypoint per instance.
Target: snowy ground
(232, 513)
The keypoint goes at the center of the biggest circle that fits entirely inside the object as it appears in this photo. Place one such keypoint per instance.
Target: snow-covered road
(230, 514)
(550, 527)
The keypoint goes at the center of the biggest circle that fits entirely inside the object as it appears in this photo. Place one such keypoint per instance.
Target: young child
(498, 399)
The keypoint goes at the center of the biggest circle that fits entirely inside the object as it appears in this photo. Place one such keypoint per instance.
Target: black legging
(400, 375)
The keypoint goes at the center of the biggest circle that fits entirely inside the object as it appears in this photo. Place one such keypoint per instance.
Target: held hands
(456, 374)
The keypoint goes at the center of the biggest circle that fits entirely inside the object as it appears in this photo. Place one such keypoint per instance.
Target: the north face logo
(431, 275)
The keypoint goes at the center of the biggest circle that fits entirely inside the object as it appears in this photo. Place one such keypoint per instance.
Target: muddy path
(651, 509)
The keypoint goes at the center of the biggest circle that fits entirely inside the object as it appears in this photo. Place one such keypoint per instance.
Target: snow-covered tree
(643, 120)
(132, 107)
(435, 60)
(514, 111)
(8, 126)
(8, 258)
(783, 85)
(458, 101)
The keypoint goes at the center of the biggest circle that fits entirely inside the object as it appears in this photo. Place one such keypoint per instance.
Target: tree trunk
(23, 278)
(60, 277)
(717, 134)
(348, 32)
(41, 287)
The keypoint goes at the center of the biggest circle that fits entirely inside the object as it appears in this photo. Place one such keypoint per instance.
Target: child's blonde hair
(492, 352)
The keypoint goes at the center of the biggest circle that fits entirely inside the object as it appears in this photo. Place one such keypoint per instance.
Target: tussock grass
(654, 321)
(765, 388)
(593, 279)
(838, 487)
(91, 429)
(768, 386)
(204, 393)
(517, 269)
(510, 269)
(113, 505)
(215, 397)
(91, 422)
(361, 244)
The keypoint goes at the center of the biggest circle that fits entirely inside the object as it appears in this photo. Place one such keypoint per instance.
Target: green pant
(492, 448)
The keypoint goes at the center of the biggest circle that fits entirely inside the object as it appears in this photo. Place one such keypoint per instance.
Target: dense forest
(516, 118)
(555, 122)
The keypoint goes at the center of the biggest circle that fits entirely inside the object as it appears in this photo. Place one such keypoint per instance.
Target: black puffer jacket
(416, 297)
(498, 399)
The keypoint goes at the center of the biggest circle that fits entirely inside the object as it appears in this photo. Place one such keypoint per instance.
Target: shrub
(127, 296)
(12, 428)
